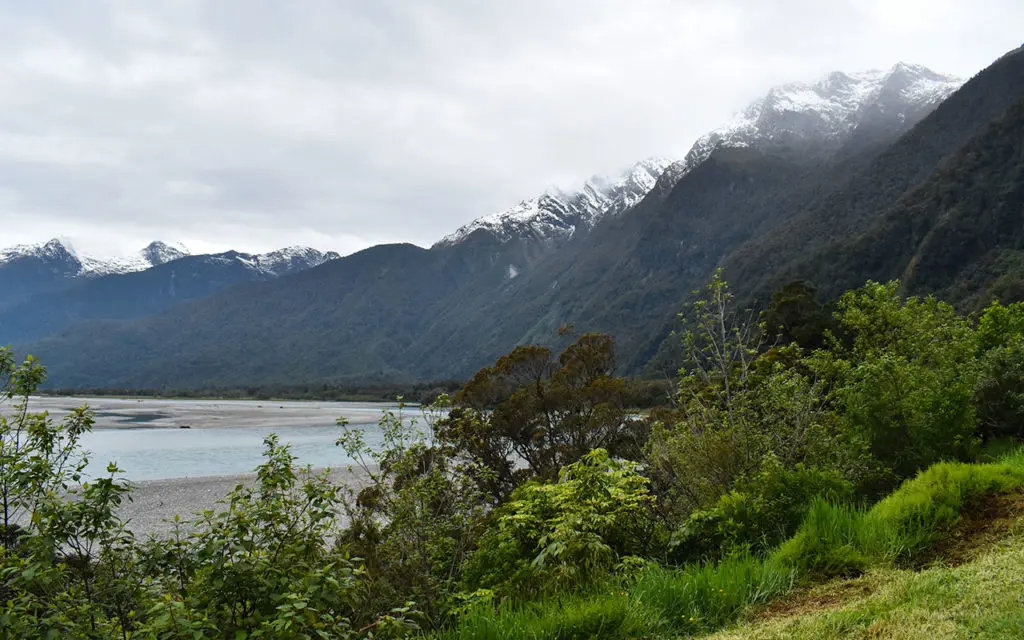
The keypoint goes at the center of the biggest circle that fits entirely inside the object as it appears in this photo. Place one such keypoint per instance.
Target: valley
(770, 385)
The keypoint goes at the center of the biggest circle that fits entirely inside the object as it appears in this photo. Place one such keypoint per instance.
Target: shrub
(760, 513)
(564, 534)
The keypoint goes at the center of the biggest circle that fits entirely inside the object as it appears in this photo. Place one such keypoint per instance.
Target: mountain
(766, 206)
(130, 288)
(30, 269)
(958, 235)
(821, 117)
(152, 255)
(558, 215)
(855, 204)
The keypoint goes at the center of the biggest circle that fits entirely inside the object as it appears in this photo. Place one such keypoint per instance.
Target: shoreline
(152, 504)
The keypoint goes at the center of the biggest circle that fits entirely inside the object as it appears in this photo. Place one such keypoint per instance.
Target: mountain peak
(53, 250)
(827, 111)
(158, 252)
(558, 214)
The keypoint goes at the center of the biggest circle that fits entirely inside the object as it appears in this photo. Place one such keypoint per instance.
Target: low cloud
(253, 124)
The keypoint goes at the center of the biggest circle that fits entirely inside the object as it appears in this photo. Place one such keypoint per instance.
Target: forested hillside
(881, 202)
(535, 503)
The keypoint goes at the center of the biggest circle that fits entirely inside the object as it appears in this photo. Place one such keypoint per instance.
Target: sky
(340, 124)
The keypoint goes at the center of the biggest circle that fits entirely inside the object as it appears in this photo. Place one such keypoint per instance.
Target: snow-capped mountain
(155, 253)
(56, 257)
(280, 262)
(827, 113)
(806, 116)
(558, 214)
(46, 288)
(61, 259)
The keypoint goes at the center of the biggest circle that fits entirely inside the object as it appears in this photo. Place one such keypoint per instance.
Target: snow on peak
(76, 265)
(828, 109)
(61, 255)
(558, 214)
(51, 251)
(160, 252)
(153, 254)
(289, 259)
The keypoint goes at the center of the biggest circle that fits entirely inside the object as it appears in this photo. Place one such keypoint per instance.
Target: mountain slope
(960, 234)
(136, 293)
(759, 208)
(850, 208)
(359, 313)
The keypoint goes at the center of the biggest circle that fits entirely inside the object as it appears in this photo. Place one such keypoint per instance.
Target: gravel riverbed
(154, 503)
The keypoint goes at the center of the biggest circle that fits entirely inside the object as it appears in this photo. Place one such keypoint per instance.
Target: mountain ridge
(413, 313)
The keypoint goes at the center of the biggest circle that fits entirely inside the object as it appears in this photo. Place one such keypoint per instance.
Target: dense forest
(802, 443)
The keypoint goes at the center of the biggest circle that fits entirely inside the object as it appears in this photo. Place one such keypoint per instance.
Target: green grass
(839, 539)
(834, 540)
(980, 599)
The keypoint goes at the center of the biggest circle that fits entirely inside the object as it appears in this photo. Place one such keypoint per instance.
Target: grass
(979, 599)
(834, 540)
(839, 539)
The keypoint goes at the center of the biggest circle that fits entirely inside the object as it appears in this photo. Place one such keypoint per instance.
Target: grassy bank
(899, 533)
(978, 599)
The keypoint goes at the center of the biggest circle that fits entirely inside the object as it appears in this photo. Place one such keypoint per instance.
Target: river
(148, 438)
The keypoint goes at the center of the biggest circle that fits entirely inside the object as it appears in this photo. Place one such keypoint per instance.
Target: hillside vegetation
(935, 204)
(534, 503)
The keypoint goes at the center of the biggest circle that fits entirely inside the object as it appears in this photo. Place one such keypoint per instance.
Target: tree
(795, 315)
(905, 379)
(418, 517)
(529, 416)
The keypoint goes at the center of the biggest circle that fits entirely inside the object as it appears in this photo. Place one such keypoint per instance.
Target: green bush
(905, 380)
(564, 534)
(759, 513)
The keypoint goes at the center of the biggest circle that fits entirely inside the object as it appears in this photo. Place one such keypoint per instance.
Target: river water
(149, 441)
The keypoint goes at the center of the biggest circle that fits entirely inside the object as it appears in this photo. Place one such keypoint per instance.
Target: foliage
(528, 416)
(999, 390)
(905, 383)
(416, 520)
(740, 408)
(759, 514)
(794, 315)
(837, 538)
(700, 598)
(262, 566)
(567, 534)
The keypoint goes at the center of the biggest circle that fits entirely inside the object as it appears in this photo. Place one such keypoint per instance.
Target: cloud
(252, 124)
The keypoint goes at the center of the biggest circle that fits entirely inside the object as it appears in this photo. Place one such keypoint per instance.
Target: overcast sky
(254, 124)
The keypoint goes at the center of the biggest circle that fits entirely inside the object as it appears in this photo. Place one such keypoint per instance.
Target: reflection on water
(151, 454)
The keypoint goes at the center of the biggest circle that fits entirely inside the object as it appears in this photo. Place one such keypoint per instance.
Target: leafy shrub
(906, 379)
(417, 519)
(564, 534)
(999, 391)
(759, 513)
